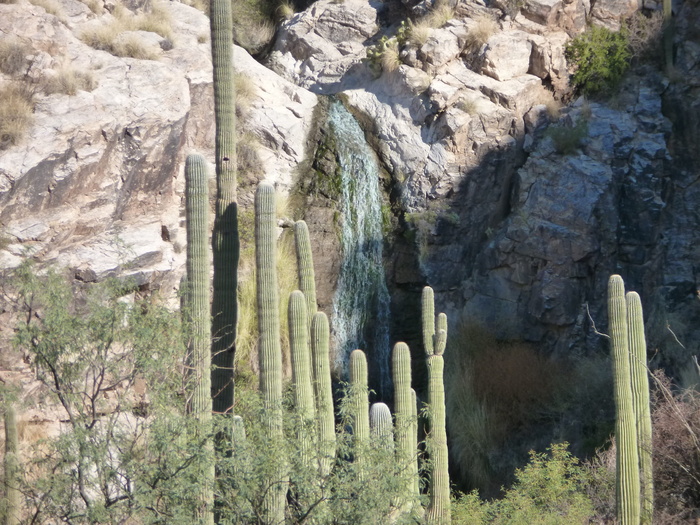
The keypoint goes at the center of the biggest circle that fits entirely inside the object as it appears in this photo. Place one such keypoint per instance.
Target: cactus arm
(381, 427)
(305, 264)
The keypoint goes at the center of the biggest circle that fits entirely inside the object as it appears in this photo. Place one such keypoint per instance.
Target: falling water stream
(360, 316)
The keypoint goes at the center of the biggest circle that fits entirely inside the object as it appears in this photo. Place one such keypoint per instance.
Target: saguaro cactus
(269, 350)
(301, 371)
(640, 397)
(404, 407)
(12, 471)
(225, 241)
(434, 344)
(381, 428)
(198, 311)
(627, 472)
(359, 404)
(320, 358)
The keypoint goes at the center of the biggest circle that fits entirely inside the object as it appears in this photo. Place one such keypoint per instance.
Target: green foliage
(550, 490)
(341, 496)
(600, 58)
(113, 370)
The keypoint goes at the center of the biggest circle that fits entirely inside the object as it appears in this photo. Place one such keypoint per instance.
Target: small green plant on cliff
(600, 57)
(568, 139)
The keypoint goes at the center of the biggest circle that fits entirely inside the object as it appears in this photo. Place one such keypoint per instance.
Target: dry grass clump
(13, 56)
(202, 5)
(69, 81)
(15, 113)
(442, 13)
(285, 10)
(390, 60)
(470, 105)
(8, 1)
(107, 37)
(95, 6)
(51, 7)
(255, 36)
(481, 32)
(546, 98)
(419, 33)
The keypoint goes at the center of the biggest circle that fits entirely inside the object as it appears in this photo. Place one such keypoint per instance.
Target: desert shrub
(644, 35)
(253, 26)
(419, 32)
(599, 58)
(440, 14)
(15, 113)
(494, 389)
(676, 453)
(568, 138)
(549, 490)
(13, 56)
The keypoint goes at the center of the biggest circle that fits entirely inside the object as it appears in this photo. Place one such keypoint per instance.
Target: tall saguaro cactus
(434, 343)
(404, 407)
(627, 472)
(320, 358)
(269, 349)
(198, 311)
(301, 370)
(12, 493)
(640, 397)
(225, 241)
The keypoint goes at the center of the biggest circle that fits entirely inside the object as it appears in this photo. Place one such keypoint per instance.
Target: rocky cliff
(514, 231)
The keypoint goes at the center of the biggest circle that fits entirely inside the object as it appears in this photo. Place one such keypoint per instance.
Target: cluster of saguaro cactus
(312, 380)
(634, 485)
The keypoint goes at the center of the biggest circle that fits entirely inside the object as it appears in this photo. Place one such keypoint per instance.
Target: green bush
(550, 490)
(567, 139)
(599, 58)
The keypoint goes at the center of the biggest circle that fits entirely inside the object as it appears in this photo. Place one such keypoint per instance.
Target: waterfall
(360, 316)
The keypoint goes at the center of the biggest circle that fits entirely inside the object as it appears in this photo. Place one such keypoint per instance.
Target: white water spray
(361, 304)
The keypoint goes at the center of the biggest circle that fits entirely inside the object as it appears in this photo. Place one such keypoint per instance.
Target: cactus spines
(269, 349)
(359, 402)
(305, 264)
(627, 471)
(320, 358)
(381, 427)
(640, 397)
(12, 470)
(225, 241)
(404, 406)
(198, 310)
(434, 344)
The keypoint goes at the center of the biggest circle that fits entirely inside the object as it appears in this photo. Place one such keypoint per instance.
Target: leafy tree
(114, 370)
